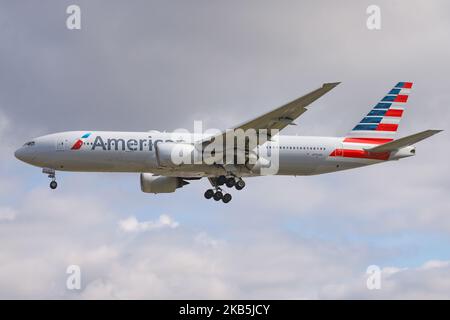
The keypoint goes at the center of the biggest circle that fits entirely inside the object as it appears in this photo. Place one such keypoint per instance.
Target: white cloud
(7, 214)
(429, 281)
(157, 265)
(131, 224)
(435, 264)
(204, 239)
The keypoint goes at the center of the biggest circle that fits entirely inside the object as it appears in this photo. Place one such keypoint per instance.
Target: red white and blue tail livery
(384, 118)
(378, 127)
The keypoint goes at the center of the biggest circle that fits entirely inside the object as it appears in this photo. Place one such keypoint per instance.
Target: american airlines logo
(77, 145)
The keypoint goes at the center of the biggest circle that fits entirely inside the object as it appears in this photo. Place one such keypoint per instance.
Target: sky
(161, 65)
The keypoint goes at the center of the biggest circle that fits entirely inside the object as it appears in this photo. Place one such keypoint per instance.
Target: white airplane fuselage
(167, 161)
(109, 151)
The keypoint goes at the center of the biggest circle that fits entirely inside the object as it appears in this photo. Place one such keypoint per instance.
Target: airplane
(371, 141)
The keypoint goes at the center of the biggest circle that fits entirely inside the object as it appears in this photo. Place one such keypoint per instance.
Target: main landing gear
(52, 175)
(217, 193)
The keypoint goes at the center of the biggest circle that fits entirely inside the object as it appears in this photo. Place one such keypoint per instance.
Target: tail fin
(381, 123)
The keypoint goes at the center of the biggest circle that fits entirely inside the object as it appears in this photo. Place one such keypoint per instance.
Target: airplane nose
(24, 155)
(19, 154)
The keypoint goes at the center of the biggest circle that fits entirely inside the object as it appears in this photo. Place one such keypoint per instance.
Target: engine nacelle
(171, 154)
(160, 184)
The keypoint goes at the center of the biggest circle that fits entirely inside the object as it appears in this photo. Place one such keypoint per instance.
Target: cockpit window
(29, 144)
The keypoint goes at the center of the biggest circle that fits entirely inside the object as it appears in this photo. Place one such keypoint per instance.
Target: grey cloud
(162, 64)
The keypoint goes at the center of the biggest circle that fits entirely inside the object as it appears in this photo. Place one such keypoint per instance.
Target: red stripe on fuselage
(360, 154)
(368, 140)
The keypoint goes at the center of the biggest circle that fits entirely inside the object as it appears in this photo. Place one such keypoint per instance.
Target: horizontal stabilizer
(403, 142)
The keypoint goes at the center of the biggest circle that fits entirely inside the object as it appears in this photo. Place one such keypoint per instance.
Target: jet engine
(160, 184)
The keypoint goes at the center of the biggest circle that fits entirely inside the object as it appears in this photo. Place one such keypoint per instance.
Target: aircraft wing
(403, 142)
(283, 116)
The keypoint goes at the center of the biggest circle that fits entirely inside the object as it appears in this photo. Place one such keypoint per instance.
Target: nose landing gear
(52, 175)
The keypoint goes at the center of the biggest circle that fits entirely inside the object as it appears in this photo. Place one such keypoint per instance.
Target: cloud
(429, 281)
(305, 270)
(432, 264)
(132, 67)
(7, 214)
(198, 263)
(205, 240)
(5, 129)
(4, 124)
(131, 224)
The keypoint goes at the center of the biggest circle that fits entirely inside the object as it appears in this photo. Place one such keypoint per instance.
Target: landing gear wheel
(226, 198)
(52, 175)
(240, 184)
(230, 182)
(221, 180)
(209, 193)
(218, 195)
